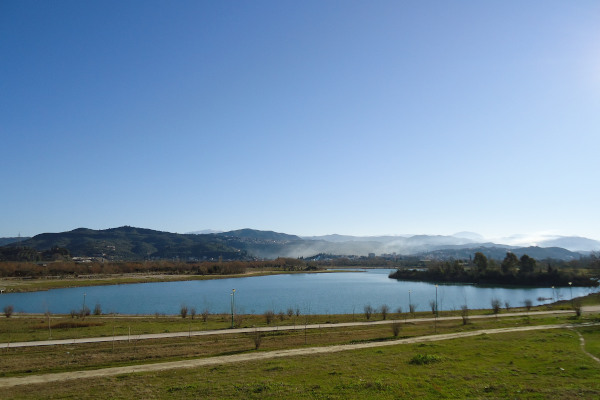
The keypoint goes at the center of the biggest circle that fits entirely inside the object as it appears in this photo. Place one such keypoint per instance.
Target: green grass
(528, 365)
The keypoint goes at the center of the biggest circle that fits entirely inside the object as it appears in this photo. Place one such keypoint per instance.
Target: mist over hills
(130, 243)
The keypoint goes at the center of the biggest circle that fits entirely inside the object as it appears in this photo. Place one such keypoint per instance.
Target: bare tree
(385, 309)
(396, 327)
(183, 311)
(368, 311)
(495, 303)
(411, 309)
(8, 310)
(528, 304)
(269, 315)
(205, 314)
(97, 309)
(257, 338)
(290, 312)
(193, 312)
(464, 313)
(507, 305)
(433, 305)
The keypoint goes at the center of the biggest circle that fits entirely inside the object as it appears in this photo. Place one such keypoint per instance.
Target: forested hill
(129, 243)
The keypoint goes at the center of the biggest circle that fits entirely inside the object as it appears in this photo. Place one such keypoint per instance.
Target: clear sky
(304, 117)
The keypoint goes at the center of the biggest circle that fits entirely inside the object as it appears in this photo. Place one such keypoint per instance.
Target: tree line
(511, 271)
(70, 268)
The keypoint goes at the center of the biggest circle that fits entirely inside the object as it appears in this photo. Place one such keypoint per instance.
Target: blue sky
(310, 117)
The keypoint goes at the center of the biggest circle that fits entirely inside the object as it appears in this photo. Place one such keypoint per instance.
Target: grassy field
(540, 364)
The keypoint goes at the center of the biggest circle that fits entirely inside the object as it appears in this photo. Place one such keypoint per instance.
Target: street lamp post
(436, 307)
(571, 290)
(83, 307)
(436, 301)
(232, 305)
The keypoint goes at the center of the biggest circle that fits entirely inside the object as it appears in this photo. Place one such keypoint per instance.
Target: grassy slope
(544, 364)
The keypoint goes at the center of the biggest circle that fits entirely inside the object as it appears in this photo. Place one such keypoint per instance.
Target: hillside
(129, 243)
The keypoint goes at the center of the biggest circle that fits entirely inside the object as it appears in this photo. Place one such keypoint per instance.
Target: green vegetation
(525, 271)
(535, 364)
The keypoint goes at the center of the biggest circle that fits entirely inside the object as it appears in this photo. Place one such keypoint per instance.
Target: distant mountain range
(9, 240)
(130, 243)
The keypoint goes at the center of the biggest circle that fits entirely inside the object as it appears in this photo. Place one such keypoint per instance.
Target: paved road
(254, 356)
(264, 329)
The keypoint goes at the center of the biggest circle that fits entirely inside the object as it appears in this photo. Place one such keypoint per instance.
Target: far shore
(20, 285)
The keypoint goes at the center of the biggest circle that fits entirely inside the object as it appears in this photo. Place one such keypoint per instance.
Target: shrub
(192, 312)
(399, 310)
(577, 308)
(507, 305)
(396, 327)
(8, 310)
(528, 303)
(183, 311)
(257, 338)
(411, 308)
(422, 359)
(97, 309)
(290, 312)
(281, 315)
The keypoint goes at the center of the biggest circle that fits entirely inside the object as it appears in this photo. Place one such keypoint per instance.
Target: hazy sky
(305, 117)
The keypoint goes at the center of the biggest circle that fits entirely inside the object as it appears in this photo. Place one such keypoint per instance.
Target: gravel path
(262, 329)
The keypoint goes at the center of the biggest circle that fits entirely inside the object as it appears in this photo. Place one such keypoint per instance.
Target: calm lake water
(329, 293)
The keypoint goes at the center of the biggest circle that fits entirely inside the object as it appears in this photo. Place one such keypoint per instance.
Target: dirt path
(582, 343)
(263, 329)
(255, 356)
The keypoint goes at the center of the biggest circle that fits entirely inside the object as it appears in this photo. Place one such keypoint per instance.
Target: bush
(422, 359)
(257, 338)
(396, 327)
(281, 315)
(183, 311)
(528, 303)
(97, 309)
(8, 310)
(192, 312)
(290, 312)
(577, 308)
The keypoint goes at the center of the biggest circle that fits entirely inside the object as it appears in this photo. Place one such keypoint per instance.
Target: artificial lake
(311, 293)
